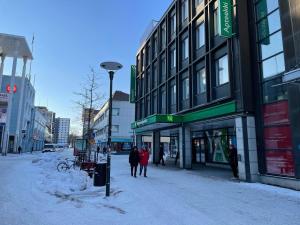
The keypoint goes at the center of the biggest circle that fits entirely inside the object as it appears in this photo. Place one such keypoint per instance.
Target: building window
(273, 66)
(163, 36)
(216, 22)
(155, 46)
(198, 2)
(143, 59)
(142, 85)
(163, 101)
(222, 70)
(142, 109)
(154, 103)
(115, 128)
(148, 108)
(173, 24)
(200, 36)
(184, 10)
(173, 58)
(185, 48)
(154, 79)
(148, 80)
(115, 111)
(173, 98)
(148, 54)
(201, 81)
(186, 88)
(163, 68)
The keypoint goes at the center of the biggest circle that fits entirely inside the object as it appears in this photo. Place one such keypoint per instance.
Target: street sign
(225, 18)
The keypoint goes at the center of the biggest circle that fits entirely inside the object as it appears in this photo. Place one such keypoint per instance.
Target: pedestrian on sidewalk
(134, 159)
(98, 151)
(19, 149)
(144, 157)
(161, 154)
(31, 150)
(233, 160)
(177, 157)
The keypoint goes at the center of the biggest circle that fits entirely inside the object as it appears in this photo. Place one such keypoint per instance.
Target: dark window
(148, 54)
(200, 35)
(163, 100)
(173, 97)
(155, 45)
(201, 81)
(185, 48)
(148, 82)
(216, 20)
(184, 10)
(154, 103)
(163, 36)
(173, 23)
(148, 106)
(173, 58)
(154, 78)
(163, 68)
(222, 73)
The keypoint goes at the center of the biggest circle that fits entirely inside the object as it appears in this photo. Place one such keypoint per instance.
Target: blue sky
(72, 35)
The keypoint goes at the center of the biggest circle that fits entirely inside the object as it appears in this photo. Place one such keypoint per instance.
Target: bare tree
(90, 98)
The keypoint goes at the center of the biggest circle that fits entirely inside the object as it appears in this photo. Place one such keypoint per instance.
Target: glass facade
(201, 81)
(222, 73)
(200, 36)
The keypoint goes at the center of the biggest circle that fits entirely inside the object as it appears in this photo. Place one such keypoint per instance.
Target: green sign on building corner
(225, 18)
(132, 84)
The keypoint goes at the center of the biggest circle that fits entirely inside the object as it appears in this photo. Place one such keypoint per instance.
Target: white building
(17, 110)
(122, 117)
(62, 130)
(39, 130)
(50, 118)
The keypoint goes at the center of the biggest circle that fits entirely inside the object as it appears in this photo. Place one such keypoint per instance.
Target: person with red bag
(144, 157)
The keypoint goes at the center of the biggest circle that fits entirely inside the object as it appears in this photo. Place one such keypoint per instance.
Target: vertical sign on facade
(132, 84)
(225, 18)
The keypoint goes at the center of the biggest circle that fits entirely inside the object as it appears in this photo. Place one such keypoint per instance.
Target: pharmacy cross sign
(225, 18)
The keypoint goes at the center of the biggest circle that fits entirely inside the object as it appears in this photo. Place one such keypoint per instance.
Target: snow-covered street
(32, 192)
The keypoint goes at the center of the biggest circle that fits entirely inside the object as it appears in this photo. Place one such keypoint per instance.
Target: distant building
(50, 120)
(122, 117)
(61, 131)
(39, 130)
(17, 101)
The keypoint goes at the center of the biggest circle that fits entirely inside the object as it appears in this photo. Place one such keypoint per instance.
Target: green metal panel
(214, 111)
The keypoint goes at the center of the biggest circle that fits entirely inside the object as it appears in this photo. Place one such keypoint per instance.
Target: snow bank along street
(32, 192)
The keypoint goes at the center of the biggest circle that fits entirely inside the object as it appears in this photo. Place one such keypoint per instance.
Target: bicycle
(65, 165)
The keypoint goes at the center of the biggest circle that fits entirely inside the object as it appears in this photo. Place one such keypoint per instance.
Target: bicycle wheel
(62, 167)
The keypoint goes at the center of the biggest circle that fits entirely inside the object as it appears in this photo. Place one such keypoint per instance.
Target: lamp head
(111, 66)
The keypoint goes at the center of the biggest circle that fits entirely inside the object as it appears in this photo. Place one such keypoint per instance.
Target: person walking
(134, 159)
(98, 151)
(177, 157)
(31, 150)
(144, 157)
(19, 149)
(161, 155)
(233, 160)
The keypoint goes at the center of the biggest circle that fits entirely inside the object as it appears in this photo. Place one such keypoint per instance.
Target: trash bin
(100, 174)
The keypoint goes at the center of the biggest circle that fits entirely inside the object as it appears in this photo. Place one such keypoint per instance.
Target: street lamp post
(111, 67)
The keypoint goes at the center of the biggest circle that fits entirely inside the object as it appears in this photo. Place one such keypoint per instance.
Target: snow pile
(60, 183)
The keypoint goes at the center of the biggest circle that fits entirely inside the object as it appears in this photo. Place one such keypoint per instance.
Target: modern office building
(17, 108)
(207, 79)
(122, 117)
(62, 131)
(40, 130)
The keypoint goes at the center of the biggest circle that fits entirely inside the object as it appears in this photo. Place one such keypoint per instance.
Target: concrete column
(138, 141)
(9, 108)
(155, 146)
(1, 69)
(20, 107)
(185, 148)
(246, 148)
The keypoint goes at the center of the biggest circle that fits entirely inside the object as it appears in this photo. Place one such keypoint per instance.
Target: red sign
(8, 88)
(276, 113)
(279, 137)
(280, 162)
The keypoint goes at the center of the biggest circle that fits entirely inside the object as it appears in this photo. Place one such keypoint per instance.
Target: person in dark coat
(177, 157)
(144, 158)
(161, 155)
(134, 159)
(233, 160)
(19, 149)
(98, 151)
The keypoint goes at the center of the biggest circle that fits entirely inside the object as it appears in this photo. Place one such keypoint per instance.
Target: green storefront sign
(225, 18)
(132, 84)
